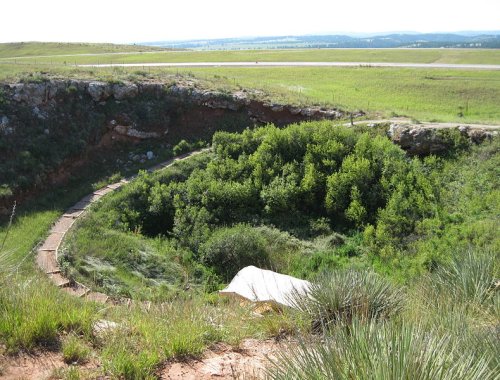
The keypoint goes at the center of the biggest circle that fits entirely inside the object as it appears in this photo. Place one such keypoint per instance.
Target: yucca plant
(340, 296)
(469, 277)
(382, 351)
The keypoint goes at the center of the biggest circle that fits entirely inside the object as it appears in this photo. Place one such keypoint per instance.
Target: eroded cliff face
(144, 107)
(45, 124)
(49, 128)
(426, 139)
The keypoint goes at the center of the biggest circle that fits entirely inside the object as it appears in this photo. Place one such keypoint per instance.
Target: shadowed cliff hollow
(49, 127)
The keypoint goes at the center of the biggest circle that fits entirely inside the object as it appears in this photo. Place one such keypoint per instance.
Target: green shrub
(454, 140)
(5, 191)
(182, 147)
(230, 249)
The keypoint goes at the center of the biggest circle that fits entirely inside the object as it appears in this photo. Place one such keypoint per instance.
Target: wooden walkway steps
(47, 253)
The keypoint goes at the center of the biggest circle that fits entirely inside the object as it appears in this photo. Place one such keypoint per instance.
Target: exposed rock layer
(423, 140)
(45, 124)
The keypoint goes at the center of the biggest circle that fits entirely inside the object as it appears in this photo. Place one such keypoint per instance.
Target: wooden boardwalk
(48, 251)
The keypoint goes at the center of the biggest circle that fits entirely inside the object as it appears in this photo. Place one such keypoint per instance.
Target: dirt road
(301, 64)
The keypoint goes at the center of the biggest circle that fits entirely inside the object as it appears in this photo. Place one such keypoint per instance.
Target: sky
(147, 20)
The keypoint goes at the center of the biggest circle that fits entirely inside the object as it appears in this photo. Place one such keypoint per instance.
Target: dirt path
(223, 362)
(301, 64)
(40, 366)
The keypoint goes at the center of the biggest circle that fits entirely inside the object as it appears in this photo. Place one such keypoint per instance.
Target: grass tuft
(74, 350)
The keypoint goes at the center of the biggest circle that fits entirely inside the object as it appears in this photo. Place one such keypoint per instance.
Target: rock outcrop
(423, 140)
(45, 93)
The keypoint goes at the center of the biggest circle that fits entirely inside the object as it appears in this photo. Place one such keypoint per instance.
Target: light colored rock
(477, 136)
(125, 91)
(39, 114)
(223, 103)
(415, 139)
(5, 129)
(99, 91)
(33, 93)
(132, 132)
(150, 155)
(241, 97)
(309, 112)
(330, 114)
(121, 129)
(422, 140)
(103, 326)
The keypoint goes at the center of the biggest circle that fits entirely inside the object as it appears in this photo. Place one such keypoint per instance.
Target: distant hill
(27, 49)
(491, 40)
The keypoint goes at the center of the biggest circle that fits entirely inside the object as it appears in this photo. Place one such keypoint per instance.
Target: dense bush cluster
(289, 178)
(345, 196)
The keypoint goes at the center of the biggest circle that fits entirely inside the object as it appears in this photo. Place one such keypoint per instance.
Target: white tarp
(260, 285)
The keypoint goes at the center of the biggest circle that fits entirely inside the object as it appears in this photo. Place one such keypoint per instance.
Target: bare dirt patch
(248, 361)
(40, 366)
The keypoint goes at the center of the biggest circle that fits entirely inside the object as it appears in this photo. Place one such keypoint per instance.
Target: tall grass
(179, 329)
(33, 312)
(74, 350)
(382, 351)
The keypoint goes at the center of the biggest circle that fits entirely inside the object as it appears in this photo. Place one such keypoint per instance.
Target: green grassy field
(27, 49)
(446, 95)
(423, 94)
(472, 56)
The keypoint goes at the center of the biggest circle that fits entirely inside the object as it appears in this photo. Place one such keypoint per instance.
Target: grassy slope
(36, 314)
(478, 56)
(27, 49)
